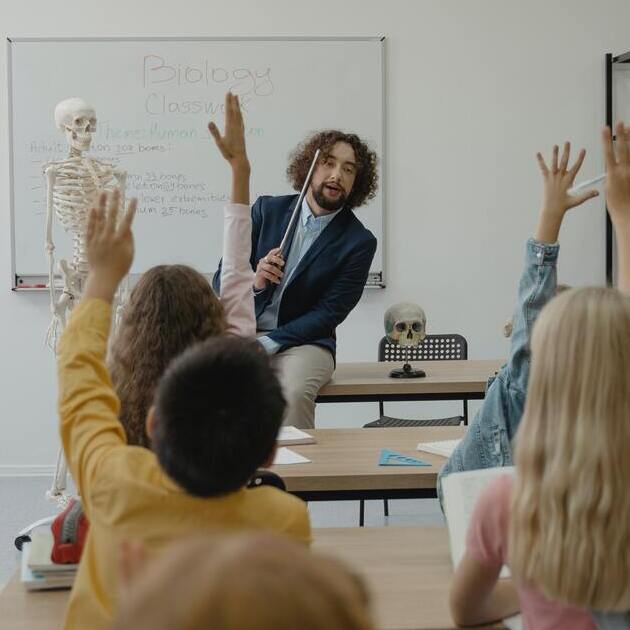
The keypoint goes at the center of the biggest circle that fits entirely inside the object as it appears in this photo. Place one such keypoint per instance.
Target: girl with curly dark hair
(170, 308)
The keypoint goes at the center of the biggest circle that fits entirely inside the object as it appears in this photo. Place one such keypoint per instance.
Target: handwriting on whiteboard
(241, 81)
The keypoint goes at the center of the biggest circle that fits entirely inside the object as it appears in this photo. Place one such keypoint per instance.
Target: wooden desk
(445, 380)
(408, 570)
(22, 610)
(344, 464)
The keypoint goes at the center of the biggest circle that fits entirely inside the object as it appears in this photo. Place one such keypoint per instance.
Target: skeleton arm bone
(51, 174)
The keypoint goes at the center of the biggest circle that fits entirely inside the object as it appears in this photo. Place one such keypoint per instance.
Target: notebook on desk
(461, 491)
(444, 448)
(38, 571)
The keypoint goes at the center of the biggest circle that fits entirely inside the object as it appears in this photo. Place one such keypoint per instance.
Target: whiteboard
(153, 100)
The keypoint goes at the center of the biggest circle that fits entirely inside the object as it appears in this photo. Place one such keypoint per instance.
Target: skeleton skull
(77, 120)
(405, 324)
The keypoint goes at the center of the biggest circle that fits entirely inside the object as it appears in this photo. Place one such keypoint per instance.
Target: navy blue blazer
(328, 281)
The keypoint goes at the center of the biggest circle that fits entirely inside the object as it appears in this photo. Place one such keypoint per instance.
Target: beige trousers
(302, 370)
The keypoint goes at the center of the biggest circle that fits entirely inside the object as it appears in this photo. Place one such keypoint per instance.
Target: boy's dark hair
(366, 182)
(218, 410)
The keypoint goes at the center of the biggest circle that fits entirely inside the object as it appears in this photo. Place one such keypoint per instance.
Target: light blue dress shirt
(307, 230)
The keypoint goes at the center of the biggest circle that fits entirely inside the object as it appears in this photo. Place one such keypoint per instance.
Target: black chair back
(433, 348)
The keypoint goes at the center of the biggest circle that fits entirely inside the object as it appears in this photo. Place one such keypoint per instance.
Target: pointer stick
(298, 206)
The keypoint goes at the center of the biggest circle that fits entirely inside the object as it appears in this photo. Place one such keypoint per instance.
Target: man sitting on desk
(301, 300)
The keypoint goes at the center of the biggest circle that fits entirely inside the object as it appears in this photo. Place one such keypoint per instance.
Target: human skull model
(405, 324)
(77, 120)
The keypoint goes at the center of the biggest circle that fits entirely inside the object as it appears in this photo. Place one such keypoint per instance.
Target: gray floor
(23, 501)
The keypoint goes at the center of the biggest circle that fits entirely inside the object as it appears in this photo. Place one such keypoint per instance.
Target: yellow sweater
(125, 494)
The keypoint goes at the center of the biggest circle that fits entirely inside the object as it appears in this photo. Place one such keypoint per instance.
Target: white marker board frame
(376, 136)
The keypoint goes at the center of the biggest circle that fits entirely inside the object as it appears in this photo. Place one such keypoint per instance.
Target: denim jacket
(487, 442)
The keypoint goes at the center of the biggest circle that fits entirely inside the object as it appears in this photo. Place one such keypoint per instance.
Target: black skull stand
(407, 371)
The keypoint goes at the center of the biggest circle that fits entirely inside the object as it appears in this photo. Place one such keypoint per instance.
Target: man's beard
(332, 205)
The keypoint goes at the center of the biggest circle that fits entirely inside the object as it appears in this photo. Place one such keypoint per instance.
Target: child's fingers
(112, 211)
(238, 115)
(541, 163)
(214, 132)
(582, 197)
(91, 225)
(622, 144)
(229, 110)
(564, 161)
(127, 220)
(218, 140)
(609, 153)
(216, 135)
(99, 213)
(554, 159)
(578, 164)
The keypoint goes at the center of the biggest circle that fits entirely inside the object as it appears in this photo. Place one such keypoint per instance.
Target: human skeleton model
(72, 187)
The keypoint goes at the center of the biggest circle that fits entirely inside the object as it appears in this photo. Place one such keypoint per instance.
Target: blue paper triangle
(394, 458)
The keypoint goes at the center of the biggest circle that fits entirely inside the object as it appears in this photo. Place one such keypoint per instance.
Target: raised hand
(557, 179)
(232, 147)
(617, 186)
(617, 189)
(232, 143)
(109, 245)
(269, 269)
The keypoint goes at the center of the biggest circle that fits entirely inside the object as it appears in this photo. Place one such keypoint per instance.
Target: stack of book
(39, 572)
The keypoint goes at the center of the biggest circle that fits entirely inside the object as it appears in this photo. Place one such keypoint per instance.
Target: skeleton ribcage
(75, 190)
(77, 184)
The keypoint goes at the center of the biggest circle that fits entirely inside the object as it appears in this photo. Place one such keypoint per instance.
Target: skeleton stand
(407, 371)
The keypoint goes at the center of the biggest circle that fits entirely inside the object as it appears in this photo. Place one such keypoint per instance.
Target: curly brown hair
(366, 182)
(169, 309)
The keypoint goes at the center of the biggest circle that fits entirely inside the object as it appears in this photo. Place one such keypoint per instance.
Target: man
(302, 299)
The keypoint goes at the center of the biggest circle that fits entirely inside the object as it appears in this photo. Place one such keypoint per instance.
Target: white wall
(474, 89)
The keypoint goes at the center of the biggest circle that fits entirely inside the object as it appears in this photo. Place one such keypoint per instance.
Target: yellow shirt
(125, 494)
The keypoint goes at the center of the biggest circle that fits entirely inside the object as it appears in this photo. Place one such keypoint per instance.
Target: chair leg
(361, 512)
(386, 507)
(465, 412)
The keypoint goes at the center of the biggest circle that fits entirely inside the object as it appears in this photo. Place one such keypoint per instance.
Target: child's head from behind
(570, 522)
(170, 308)
(256, 581)
(218, 410)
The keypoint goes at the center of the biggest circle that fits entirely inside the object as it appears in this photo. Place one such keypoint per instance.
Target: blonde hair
(256, 581)
(569, 531)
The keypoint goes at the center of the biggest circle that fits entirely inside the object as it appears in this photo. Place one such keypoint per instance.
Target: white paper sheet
(287, 456)
(444, 448)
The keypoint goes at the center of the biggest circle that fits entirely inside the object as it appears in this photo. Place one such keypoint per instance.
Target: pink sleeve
(237, 277)
(486, 539)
